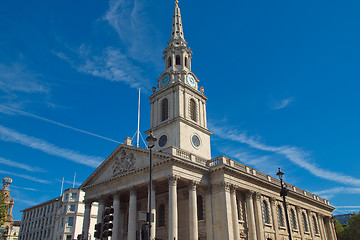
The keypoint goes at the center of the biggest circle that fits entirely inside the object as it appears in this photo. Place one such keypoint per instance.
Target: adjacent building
(195, 196)
(60, 218)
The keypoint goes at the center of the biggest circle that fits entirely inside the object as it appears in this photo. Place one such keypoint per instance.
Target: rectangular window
(64, 208)
(62, 222)
(74, 196)
(72, 208)
(68, 237)
(66, 197)
(71, 221)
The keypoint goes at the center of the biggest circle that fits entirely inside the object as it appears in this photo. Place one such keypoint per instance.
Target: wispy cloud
(11, 110)
(10, 135)
(282, 104)
(111, 65)
(15, 78)
(337, 190)
(27, 202)
(20, 165)
(24, 188)
(31, 178)
(294, 154)
(128, 18)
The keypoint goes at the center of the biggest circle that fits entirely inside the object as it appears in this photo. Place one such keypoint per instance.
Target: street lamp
(151, 143)
(283, 193)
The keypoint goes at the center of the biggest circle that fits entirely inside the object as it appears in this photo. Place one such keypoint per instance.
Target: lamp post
(151, 143)
(283, 193)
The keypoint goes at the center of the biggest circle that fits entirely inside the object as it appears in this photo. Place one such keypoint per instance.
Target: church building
(195, 196)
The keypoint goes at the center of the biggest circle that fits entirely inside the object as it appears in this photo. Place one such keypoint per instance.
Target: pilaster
(251, 214)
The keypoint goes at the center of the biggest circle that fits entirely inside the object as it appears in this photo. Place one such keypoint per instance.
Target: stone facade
(193, 195)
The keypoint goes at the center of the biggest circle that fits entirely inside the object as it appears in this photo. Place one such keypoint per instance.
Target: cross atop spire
(177, 32)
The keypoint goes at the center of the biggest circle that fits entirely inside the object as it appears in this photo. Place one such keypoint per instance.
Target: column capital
(249, 194)
(298, 208)
(132, 190)
(233, 189)
(193, 185)
(153, 185)
(116, 196)
(225, 186)
(272, 200)
(173, 179)
(258, 195)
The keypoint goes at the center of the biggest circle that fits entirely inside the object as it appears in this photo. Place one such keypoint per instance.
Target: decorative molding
(193, 185)
(124, 163)
(132, 190)
(249, 194)
(173, 179)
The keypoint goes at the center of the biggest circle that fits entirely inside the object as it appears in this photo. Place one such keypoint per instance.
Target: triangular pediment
(125, 159)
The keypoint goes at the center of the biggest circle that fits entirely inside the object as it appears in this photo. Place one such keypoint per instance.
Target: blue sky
(282, 78)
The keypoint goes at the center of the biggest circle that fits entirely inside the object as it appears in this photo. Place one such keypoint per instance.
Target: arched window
(186, 62)
(306, 226)
(161, 210)
(200, 207)
(193, 110)
(281, 217)
(169, 62)
(293, 219)
(177, 60)
(315, 225)
(164, 109)
(266, 212)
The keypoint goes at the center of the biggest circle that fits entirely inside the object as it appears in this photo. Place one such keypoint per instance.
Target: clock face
(165, 80)
(196, 141)
(191, 80)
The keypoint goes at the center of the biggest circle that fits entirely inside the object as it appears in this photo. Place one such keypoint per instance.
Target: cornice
(183, 120)
(269, 185)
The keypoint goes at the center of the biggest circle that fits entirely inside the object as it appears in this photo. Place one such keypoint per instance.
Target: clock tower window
(193, 110)
(164, 109)
(177, 60)
(169, 62)
(186, 62)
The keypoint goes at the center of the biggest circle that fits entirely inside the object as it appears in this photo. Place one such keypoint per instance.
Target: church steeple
(177, 56)
(178, 106)
(177, 33)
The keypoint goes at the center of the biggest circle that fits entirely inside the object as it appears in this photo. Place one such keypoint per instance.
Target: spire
(177, 32)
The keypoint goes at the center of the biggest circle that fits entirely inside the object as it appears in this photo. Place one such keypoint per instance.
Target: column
(321, 223)
(235, 216)
(251, 222)
(300, 222)
(208, 214)
(329, 227)
(311, 224)
(132, 215)
(274, 218)
(259, 217)
(193, 217)
(86, 223)
(101, 209)
(116, 221)
(153, 210)
(173, 211)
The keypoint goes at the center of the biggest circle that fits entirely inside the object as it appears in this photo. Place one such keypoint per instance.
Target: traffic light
(108, 218)
(98, 231)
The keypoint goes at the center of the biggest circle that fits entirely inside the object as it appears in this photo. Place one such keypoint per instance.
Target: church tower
(178, 108)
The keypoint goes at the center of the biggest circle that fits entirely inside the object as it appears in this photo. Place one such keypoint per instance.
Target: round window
(196, 141)
(162, 141)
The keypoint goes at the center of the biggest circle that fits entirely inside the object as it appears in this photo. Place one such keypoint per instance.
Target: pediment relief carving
(124, 163)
